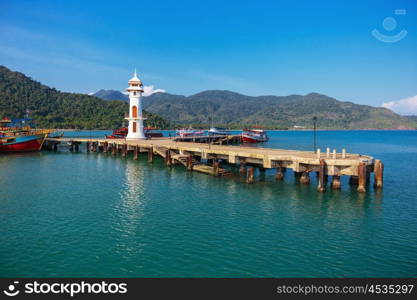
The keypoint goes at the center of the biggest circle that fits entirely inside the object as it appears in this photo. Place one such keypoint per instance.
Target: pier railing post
(361, 177)
(378, 174)
(321, 186)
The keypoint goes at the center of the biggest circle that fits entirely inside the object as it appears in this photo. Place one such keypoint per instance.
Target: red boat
(19, 139)
(122, 133)
(254, 136)
(118, 133)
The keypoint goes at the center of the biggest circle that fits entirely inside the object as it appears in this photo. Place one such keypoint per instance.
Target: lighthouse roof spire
(135, 79)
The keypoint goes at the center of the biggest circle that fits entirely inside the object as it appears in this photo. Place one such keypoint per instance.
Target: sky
(359, 51)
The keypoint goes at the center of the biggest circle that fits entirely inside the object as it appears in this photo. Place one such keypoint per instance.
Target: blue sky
(251, 47)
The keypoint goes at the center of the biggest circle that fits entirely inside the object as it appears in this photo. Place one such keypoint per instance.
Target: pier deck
(301, 162)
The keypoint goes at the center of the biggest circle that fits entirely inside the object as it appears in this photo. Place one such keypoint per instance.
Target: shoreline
(306, 129)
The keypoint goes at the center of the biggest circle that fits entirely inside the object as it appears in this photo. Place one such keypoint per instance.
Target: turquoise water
(77, 214)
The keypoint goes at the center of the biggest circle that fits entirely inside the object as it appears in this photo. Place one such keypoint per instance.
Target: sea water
(96, 215)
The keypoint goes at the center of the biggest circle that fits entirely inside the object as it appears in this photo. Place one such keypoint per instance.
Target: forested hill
(51, 108)
(111, 95)
(231, 109)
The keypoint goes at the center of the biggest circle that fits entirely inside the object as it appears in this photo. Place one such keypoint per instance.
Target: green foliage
(233, 110)
(53, 109)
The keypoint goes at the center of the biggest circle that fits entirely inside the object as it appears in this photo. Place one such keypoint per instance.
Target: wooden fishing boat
(254, 136)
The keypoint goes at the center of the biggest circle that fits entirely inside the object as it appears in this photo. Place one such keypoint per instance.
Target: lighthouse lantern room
(135, 89)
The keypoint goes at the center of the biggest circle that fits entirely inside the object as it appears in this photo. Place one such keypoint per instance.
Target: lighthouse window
(134, 93)
(134, 112)
(134, 126)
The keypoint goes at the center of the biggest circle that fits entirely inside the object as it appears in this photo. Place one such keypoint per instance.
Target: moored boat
(122, 133)
(17, 138)
(254, 136)
(218, 131)
(189, 132)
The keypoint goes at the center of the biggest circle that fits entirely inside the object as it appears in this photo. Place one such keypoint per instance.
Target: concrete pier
(302, 163)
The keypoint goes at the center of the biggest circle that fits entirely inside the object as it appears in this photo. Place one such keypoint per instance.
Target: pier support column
(216, 166)
(114, 149)
(136, 153)
(297, 175)
(378, 174)
(305, 178)
(55, 147)
(242, 168)
(105, 147)
(280, 173)
(353, 180)
(362, 177)
(168, 159)
(262, 173)
(87, 146)
(189, 163)
(336, 185)
(77, 147)
(71, 147)
(150, 154)
(124, 150)
(249, 175)
(321, 187)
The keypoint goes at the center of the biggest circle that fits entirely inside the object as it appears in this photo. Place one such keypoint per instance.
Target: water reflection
(129, 208)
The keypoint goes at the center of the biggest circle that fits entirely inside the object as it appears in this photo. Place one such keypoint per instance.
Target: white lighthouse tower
(135, 109)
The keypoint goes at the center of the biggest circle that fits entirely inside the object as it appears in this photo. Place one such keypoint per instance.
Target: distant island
(106, 109)
(234, 110)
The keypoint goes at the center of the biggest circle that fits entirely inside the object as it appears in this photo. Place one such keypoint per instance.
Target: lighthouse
(135, 131)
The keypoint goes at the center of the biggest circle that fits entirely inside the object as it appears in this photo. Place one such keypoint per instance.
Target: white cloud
(407, 106)
(150, 89)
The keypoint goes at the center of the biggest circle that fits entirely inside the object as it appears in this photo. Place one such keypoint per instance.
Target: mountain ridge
(51, 108)
(233, 109)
